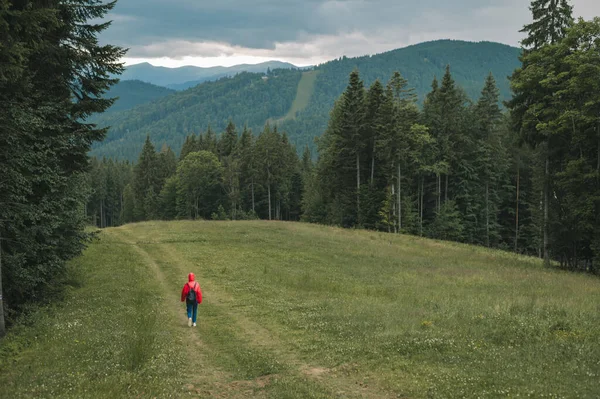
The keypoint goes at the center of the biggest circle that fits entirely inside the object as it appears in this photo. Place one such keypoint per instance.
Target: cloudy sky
(306, 32)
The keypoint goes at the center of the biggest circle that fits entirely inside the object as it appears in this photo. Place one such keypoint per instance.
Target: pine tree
(127, 215)
(199, 178)
(167, 164)
(53, 75)
(146, 178)
(209, 142)
(228, 141)
(490, 157)
(168, 199)
(190, 145)
(352, 130)
(248, 169)
(551, 19)
(530, 104)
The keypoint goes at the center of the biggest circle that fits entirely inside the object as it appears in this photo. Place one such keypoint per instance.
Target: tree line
(231, 176)
(53, 74)
(525, 180)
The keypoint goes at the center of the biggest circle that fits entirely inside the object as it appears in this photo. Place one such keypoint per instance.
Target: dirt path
(207, 380)
(212, 380)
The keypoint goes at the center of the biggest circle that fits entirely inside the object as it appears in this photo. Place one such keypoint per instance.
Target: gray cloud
(310, 29)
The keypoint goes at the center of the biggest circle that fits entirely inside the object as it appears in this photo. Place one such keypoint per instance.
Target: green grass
(303, 311)
(306, 88)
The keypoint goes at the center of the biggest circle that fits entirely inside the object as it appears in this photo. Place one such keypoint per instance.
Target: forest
(252, 98)
(527, 181)
(524, 177)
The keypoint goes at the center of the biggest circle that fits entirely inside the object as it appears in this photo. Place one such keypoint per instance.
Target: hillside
(361, 314)
(185, 77)
(246, 98)
(171, 119)
(132, 93)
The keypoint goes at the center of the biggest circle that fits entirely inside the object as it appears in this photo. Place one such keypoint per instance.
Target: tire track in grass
(333, 382)
(207, 380)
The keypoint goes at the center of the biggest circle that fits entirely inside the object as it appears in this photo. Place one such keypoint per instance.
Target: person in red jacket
(192, 296)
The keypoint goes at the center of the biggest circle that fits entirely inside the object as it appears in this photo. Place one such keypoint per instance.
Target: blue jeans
(192, 311)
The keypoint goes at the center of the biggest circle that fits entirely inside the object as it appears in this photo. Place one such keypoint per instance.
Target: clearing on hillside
(306, 88)
(301, 311)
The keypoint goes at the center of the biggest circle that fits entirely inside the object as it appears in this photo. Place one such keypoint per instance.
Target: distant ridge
(300, 107)
(132, 93)
(188, 76)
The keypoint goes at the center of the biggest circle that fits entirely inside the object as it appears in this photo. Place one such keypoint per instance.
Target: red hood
(191, 277)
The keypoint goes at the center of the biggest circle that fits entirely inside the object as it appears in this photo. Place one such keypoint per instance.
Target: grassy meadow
(301, 311)
(306, 88)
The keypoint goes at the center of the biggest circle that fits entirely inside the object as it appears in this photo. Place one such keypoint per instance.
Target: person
(192, 296)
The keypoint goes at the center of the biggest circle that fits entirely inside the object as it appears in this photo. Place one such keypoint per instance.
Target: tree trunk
(393, 209)
(445, 192)
(373, 168)
(487, 213)
(517, 208)
(252, 184)
(399, 197)
(546, 201)
(2, 325)
(101, 214)
(269, 190)
(421, 216)
(439, 192)
(358, 187)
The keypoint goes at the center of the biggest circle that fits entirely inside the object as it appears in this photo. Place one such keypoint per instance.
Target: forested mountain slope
(131, 93)
(246, 98)
(185, 77)
(250, 99)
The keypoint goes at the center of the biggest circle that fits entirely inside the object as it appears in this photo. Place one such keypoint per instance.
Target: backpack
(191, 296)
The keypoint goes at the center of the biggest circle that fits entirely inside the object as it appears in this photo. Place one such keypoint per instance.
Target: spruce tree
(228, 140)
(190, 145)
(146, 178)
(490, 158)
(551, 19)
(53, 75)
(167, 164)
(248, 169)
(530, 105)
(209, 142)
(352, 130)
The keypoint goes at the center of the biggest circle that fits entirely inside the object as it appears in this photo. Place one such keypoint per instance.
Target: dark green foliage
(108, 181)
(243, 99)
(131, 93)
(555, 111)
(551, 19)
(247, 178)
(199, 185)
(168, 199)
(447, 223)
(127, 214)
(248, 99)
(53, 75)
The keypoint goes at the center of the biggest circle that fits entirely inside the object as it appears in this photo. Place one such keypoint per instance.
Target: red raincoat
(192, 284)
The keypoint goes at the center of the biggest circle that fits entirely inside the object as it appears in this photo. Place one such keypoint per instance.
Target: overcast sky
(306, 32)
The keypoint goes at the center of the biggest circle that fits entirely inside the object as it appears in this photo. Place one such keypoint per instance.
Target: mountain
(299, 101)
(185, 77)
(131, 93)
